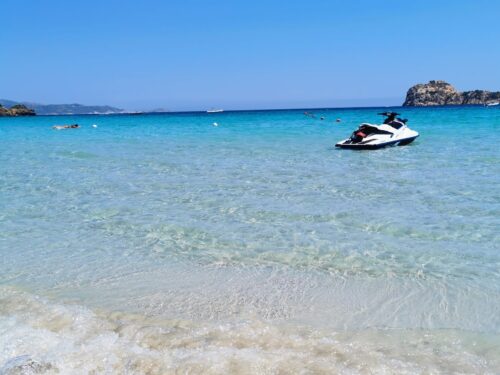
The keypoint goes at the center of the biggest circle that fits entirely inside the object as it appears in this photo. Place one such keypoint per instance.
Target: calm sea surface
(157, 244)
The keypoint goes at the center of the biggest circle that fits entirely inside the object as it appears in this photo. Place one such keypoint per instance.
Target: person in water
(60, 127)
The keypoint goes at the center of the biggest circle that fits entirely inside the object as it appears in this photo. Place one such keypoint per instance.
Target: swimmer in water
(61, 127)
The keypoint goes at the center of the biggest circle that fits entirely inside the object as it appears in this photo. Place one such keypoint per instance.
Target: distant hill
(64, 109)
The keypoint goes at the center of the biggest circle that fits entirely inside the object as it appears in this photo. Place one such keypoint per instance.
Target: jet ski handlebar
(388, 114)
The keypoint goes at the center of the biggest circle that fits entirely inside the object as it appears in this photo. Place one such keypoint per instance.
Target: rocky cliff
(64, 109)
(442, 93)
(16, 110)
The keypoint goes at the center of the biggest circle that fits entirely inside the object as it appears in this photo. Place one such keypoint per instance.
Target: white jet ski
(393, 132)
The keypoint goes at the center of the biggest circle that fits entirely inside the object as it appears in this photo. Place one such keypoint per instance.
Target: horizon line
(151, 113)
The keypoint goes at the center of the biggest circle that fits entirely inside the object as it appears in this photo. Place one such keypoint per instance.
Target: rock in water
(480, 97)
(17, 110)
(442, 93)
(23, 365)
(432, 93)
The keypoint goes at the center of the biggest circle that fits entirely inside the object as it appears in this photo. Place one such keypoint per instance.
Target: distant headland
(60, 109)
(16, 110)
(442, 93)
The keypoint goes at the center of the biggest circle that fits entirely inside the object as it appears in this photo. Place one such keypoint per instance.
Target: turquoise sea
(158, 244)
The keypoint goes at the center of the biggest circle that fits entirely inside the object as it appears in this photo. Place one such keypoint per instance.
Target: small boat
(492, 104)
(393, 132)
(215, 110)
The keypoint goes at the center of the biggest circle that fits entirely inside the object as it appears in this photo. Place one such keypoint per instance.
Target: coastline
(236, 111)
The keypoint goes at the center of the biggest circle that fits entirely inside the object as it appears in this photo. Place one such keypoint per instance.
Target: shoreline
(112, 341)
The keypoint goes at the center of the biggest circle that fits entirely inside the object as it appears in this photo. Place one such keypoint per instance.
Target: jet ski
(393, 132)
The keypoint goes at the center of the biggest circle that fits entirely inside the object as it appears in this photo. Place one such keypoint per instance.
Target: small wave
(37, 336)
(77, 154)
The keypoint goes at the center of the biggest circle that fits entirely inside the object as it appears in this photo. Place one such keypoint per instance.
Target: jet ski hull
(374, 146)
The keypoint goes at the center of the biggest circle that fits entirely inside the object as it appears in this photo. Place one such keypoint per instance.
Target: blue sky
(184, 55)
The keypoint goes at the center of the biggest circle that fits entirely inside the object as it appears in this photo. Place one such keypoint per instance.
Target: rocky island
(16, 110)
(442, 93)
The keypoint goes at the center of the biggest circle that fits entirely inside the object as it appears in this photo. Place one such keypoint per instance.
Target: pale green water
(155, 244)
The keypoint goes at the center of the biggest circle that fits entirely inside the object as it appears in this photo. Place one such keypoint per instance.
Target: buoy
(94, 126)
(215, 124)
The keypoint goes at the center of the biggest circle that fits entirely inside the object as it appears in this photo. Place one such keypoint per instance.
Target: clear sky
(183, 55)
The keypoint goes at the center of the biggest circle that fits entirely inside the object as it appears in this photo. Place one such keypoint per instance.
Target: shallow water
(160, 243)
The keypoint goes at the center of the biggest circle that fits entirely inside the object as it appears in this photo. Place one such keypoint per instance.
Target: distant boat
(492, 104)
(215, 110)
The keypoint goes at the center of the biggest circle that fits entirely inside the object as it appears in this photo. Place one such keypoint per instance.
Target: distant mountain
(64, 109)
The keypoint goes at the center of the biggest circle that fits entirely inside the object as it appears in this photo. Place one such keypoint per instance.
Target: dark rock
(442, 93)
(17, 110)
(480, 97)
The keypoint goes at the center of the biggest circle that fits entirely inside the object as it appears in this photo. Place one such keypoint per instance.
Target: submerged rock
(24, 365)
(442, 93)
